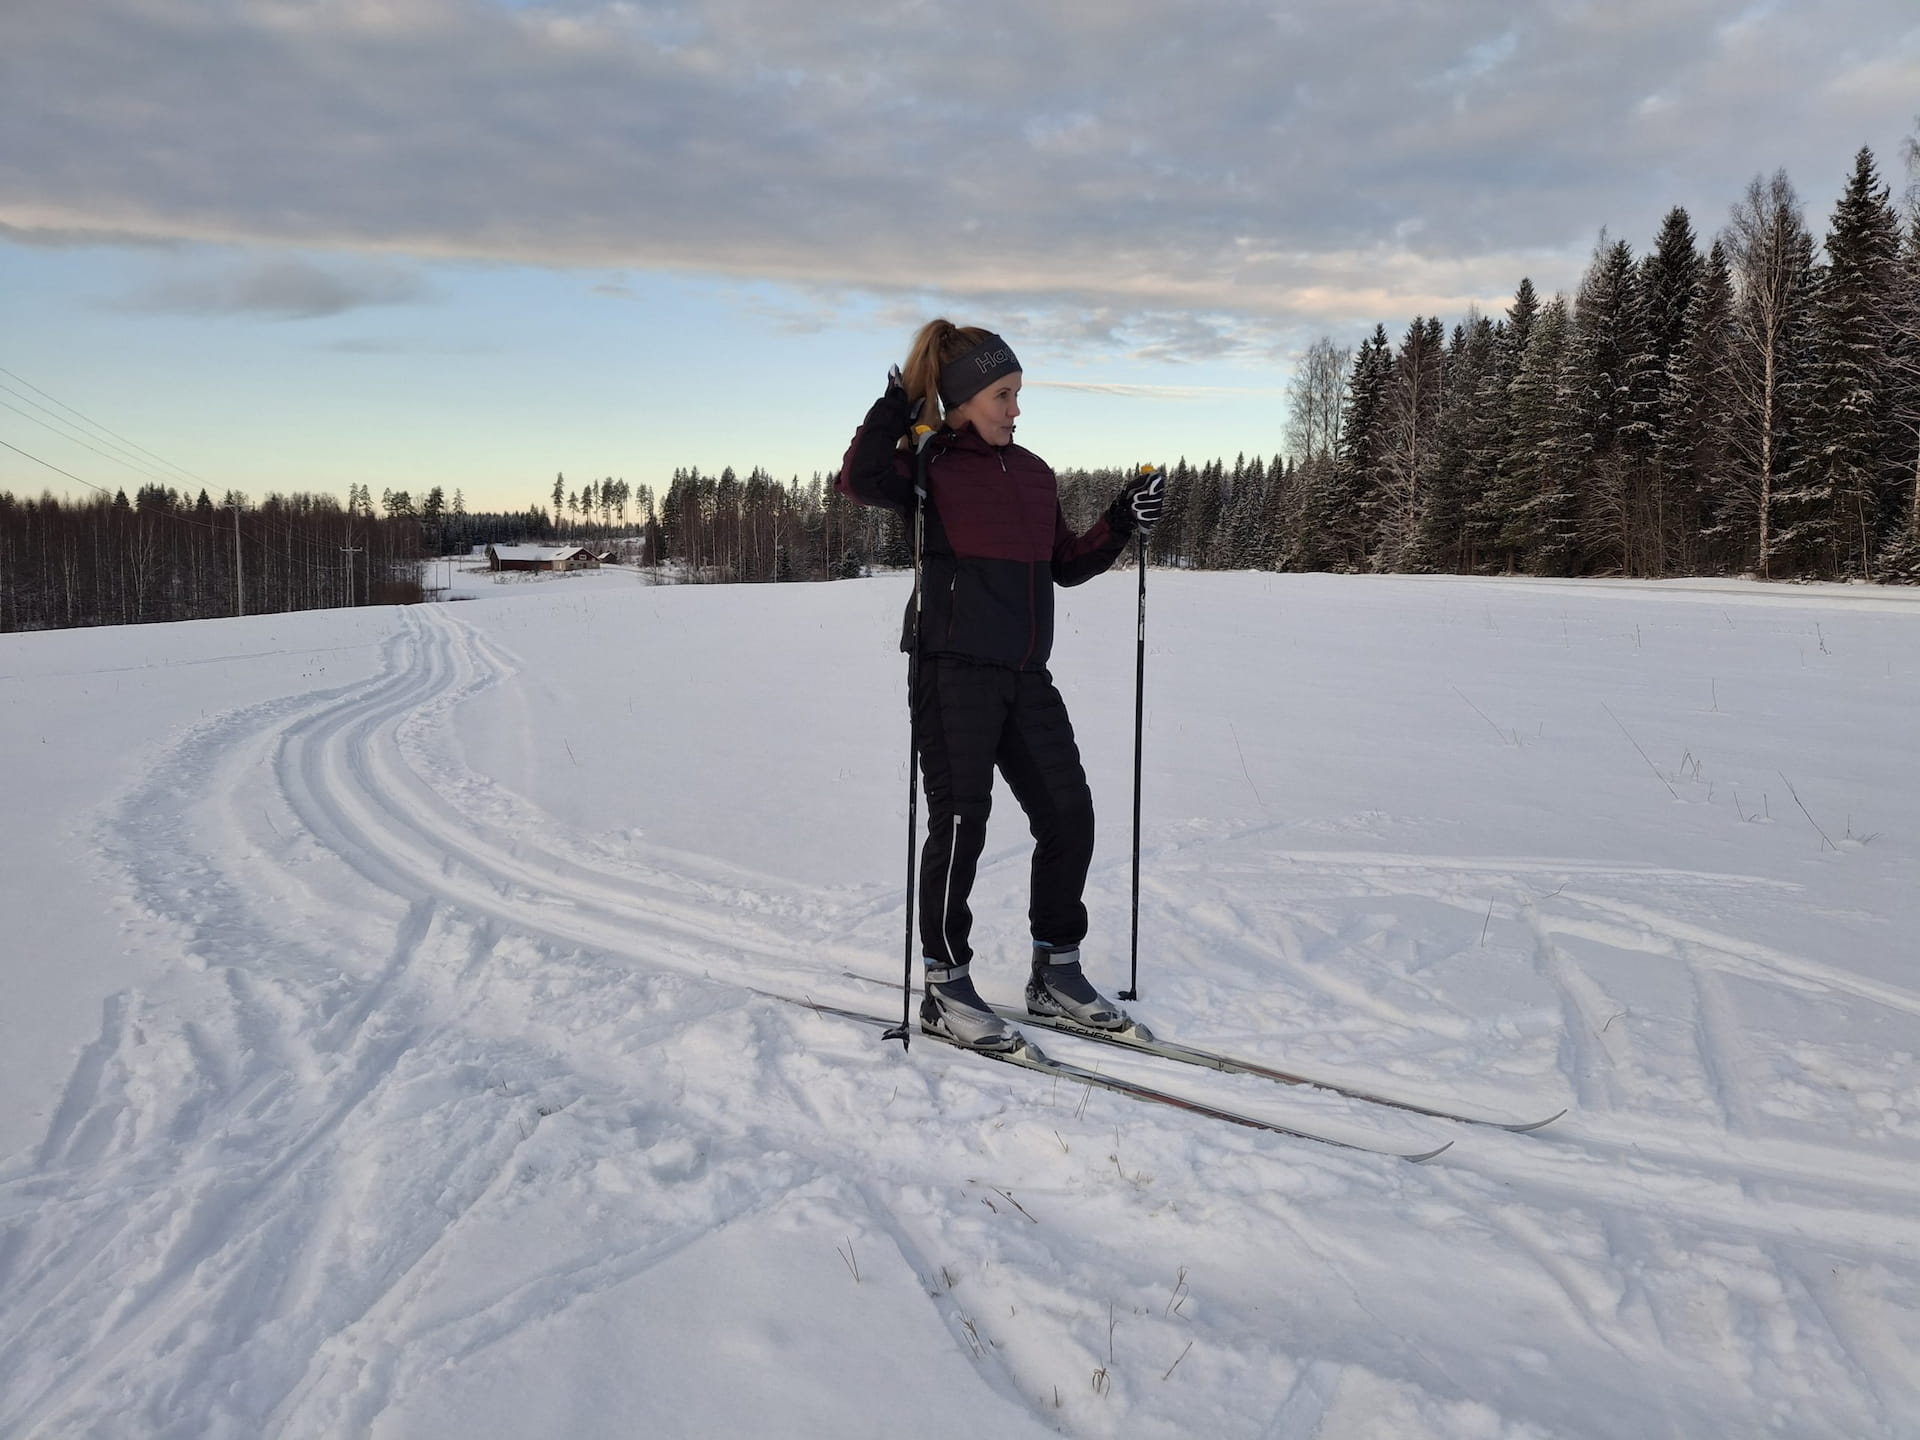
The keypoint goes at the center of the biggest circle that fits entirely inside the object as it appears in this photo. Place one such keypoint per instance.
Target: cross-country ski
(1029, 1057)
(1137, 1038)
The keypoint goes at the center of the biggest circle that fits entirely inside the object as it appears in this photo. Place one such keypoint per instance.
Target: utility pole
(239, 579)
(350, 551)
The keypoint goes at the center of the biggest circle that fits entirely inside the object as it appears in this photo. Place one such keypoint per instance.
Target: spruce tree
(1853, 452)
(1697, 451)
(1168, 543)
(1903, 554)
(1229, 549)
(1248, 543)
(1537, 483)
(1207, 514)
(1277, 520)
(1604, 345)
(1490, 431)
(1668, 282)
(1311, 497)
(1339, 509)
(1447, 510)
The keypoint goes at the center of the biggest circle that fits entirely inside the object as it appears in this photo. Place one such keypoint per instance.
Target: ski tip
(1425, 1155)
(1524, 1126)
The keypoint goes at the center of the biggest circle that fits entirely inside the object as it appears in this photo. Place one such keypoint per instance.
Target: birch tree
(1770, 256)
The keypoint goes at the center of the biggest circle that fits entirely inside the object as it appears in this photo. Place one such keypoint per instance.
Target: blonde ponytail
(937, 342)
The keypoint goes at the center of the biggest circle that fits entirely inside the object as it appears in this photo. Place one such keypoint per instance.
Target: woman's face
(992, 411)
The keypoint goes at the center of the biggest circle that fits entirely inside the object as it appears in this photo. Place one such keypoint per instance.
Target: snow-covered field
(383, 1050)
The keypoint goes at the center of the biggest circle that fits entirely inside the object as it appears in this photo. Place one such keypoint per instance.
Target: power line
(57, 470)
(97, 425)
(62, 420)
(260, 518)
(78, 440)
(169, 512)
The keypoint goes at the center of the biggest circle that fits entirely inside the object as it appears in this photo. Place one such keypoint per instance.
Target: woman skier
(995, 543)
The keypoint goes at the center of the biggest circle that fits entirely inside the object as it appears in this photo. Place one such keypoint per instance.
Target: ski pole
(903, 1032)
(1132, 992)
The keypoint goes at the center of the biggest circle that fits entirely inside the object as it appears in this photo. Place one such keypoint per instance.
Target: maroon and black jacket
(996, 541)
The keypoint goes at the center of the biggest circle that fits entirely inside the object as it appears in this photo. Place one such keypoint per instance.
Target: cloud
(280, 287)
(1267, 166)
(56, 237)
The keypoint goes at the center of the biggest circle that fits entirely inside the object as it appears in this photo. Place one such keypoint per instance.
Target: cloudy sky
(294, 244)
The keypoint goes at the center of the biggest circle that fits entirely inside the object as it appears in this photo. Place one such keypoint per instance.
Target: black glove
(870, 462)
(1137, 508)
(897, 392)
(891, 416)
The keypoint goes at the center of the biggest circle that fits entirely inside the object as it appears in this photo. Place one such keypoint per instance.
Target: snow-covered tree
(1770, 255)
(1669, 280)
(1447, 508)
(1408, 426)
(1604, 346)
(1546, 450)
(1851, 467)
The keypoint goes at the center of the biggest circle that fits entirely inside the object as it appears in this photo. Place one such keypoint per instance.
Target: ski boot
(953, 1010)
(1058, 990)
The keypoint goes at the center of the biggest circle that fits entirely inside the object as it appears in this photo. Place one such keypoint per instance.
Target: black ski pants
(969, 719)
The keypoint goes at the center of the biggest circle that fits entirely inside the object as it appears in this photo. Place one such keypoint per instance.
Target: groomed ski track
(411, 1016)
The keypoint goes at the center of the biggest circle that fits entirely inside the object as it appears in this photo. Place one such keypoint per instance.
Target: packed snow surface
(392, 1037)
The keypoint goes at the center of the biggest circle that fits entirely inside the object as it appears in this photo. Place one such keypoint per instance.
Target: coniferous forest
(1741, 404)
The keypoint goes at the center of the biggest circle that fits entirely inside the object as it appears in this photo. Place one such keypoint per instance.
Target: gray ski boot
(1059, 990)
(953, 1010)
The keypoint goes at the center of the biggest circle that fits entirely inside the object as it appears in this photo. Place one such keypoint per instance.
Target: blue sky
(307, 243)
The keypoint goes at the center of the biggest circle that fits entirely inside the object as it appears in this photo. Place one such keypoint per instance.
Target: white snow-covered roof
(541, 554)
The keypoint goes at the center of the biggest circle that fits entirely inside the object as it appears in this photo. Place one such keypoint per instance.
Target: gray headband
(967, 375)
